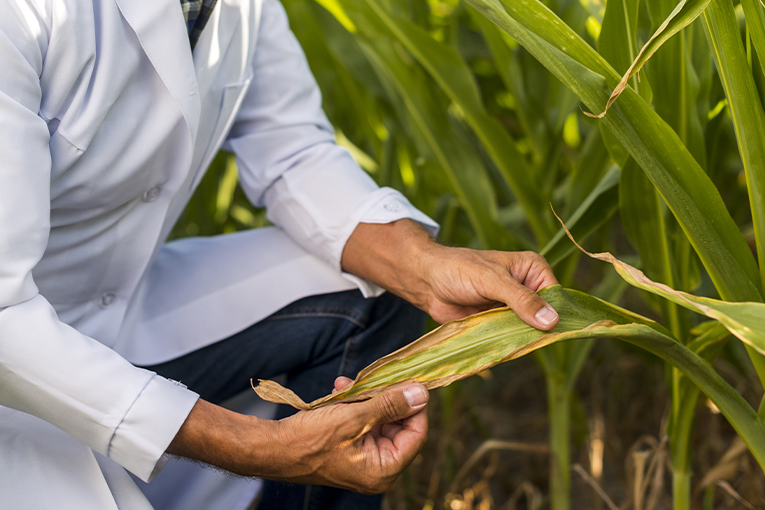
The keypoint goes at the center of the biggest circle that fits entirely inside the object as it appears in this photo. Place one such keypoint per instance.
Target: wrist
(235, 442)
(398, 256)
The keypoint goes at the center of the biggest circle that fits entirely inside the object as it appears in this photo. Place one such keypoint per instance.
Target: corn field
(641, 124)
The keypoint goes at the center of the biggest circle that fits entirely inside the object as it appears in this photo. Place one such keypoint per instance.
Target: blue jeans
(313, 341)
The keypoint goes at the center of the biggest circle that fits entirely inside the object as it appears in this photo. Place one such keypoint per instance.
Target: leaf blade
(683, 15)
(685, 187)
(745, 320)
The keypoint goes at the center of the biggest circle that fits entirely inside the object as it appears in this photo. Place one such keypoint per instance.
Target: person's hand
(462, 282)
(362, 446)
(450, 283)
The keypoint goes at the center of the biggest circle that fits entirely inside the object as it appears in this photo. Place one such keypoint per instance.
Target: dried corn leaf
(744, 320)
(682, 16)
(465, 347)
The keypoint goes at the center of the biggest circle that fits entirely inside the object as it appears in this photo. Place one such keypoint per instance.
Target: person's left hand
(461, 281)
(450, 283)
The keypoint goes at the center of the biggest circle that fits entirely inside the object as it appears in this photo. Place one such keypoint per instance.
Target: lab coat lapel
(162, 33)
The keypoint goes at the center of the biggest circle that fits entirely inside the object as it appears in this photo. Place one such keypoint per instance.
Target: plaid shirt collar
(196, 13)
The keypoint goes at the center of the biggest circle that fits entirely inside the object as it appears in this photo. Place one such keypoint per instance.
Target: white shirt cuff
(140, 441)
(385, 205)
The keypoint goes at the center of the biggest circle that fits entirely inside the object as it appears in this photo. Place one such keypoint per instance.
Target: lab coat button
(107, 299)
(151, 195)
(392, 206)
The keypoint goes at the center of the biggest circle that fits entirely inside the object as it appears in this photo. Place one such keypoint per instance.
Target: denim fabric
(313, 341)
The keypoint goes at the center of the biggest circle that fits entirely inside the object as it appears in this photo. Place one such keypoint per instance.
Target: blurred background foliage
(433, 99)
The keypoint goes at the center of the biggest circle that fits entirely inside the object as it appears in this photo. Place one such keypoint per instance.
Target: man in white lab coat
(107, 123)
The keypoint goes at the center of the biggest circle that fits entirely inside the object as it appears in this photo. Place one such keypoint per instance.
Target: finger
(539, 274)
(341, 382)
(417, 423)
(391, 405)
(532, 308)
(390, 430)
(407, 442)
(529, 306)
(528, 267)
(524, 273)
(444, 312)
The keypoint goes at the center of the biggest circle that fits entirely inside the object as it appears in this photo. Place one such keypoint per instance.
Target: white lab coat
(106, 126)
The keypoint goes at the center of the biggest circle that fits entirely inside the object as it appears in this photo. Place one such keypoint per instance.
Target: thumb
(393, 405)
(530, 306)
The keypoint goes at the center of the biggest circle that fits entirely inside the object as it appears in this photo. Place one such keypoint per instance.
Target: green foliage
(474, 110)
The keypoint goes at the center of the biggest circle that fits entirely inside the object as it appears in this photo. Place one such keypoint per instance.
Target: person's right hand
(361, 447)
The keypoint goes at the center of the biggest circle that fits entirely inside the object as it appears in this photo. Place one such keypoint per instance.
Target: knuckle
(543, 262)
(535, 259)
(387, 407)
(524, 298)
(528, 257)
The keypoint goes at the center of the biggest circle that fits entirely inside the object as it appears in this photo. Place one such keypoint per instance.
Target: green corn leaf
(676, 89)
(673, 77)
(456, 80)
(746, 321)
(643, 220)
(618, 45)
(683, 15)
(755, 22)
(683, 184)
(710, 337)
(593, 164)
(462, 167)
(685, 396)
(745, 106)
(461, 348)
(513, 74)
(618, 37)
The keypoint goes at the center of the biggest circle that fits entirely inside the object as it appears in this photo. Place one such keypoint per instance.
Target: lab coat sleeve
(288, 160)
(48, 369)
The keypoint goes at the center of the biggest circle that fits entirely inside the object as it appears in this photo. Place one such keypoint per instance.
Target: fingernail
(546, 316)
(415, 396)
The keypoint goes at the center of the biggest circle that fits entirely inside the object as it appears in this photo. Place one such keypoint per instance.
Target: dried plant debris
(682, 16)
(746, 321)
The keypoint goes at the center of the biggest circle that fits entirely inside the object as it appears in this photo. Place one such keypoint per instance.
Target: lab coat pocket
(233, 95)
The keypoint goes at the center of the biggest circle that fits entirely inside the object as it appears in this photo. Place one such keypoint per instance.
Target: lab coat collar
(161, 30)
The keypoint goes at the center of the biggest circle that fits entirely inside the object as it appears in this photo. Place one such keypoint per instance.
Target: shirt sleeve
(289, 162)
(47, 368)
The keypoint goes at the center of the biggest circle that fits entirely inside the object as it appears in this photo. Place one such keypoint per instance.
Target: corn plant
(476, 111)
(726, 259)
(660, 151)
(441, 142)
